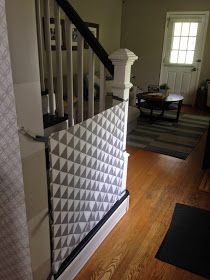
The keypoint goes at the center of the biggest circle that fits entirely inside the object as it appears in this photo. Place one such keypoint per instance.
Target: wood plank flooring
(205, 184)
(156, 183)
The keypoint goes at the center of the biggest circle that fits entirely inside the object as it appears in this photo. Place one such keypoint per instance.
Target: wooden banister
(86, 34)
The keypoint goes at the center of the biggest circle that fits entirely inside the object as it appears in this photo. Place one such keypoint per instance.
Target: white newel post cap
(123, 56)
(122, 60)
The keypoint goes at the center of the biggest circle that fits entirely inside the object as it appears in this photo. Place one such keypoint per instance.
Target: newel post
(122, 60)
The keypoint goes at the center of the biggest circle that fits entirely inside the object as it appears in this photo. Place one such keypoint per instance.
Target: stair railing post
(122, 60)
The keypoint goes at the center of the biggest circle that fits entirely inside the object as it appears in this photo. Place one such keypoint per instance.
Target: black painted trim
(119, 98)
(50, 120)
(87, 34)
(90, 235)
(43, 93)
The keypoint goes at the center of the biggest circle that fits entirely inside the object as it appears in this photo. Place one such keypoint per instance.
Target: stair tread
(50, 120)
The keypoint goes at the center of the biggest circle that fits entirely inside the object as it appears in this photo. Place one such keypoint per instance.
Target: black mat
(187, 242)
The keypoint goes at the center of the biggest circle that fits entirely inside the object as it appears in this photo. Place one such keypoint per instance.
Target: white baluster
(59, 66)
(40, 43)
(102, 88)
(49, 57)
(80, 76)
(70, 96)
(91, 83)
(133, 96)
(122, 60)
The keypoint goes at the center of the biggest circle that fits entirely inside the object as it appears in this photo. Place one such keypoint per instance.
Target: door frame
(205, 15)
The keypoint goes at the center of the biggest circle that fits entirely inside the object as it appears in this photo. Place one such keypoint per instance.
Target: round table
(145, 101)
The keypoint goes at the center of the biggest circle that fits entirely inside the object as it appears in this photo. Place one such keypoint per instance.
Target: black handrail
(87, 34)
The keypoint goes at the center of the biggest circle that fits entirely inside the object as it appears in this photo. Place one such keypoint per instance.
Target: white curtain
(15, 263)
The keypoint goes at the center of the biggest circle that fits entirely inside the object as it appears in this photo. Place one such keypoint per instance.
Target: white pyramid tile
(90, 150)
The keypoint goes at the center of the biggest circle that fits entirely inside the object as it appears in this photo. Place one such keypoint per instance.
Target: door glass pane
(177, 29)
(183, 45)
(174, 57)
(185, 28)
(182, 56)
(193, 29)
(176, 42)
(189, 57)
(191, 43)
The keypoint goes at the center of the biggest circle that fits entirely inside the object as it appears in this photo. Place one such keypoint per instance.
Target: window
(183, 42)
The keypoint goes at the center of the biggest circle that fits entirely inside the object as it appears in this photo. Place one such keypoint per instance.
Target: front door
(182, 53)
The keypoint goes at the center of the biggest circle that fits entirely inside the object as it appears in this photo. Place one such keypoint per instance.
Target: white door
(184, 41)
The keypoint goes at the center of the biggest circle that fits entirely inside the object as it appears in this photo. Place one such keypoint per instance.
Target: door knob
(198, 60)
(194, 69)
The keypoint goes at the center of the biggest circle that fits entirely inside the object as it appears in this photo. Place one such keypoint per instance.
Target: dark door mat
(187, 242)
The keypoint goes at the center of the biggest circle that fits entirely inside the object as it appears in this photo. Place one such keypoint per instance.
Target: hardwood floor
(193, 110)
(156, 183)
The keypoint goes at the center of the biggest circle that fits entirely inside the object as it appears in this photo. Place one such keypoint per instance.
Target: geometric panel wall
(86, 173)
(15, 263)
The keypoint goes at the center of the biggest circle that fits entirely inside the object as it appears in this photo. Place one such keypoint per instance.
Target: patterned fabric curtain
(15, 263)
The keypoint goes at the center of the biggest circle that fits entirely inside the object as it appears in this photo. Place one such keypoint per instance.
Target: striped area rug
(168, 137)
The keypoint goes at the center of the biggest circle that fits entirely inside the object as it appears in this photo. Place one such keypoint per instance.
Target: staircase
(63, 90)
(87, 134)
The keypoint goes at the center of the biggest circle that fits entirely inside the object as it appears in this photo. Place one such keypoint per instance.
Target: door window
(183, 43)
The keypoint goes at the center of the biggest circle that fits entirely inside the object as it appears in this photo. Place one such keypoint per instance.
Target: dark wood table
(172, 102)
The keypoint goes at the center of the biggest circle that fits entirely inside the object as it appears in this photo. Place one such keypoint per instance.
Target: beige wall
(106, 13)
(24, 55)
(143, 26)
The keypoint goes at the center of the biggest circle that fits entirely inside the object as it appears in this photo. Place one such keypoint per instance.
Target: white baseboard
(78, 263)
